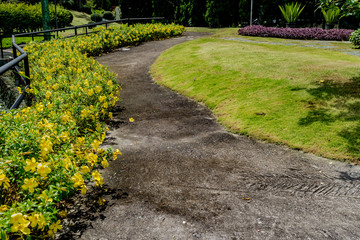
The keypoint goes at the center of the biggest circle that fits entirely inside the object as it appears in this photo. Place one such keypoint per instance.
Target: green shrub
(108, 15)
(86, 9)
(96, 17)
(20, 17)
(355, 38)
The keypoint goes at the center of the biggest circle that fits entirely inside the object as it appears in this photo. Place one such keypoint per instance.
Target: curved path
(182, 176)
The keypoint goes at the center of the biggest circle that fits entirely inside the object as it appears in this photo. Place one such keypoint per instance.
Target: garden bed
(296, 33)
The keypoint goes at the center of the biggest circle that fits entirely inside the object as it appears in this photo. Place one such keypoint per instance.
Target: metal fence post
(1, 47)
(27, 70)
(13, 47)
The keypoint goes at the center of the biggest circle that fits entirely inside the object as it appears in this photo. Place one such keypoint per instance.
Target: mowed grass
(303, 97)
(7, 42)
(80, 18)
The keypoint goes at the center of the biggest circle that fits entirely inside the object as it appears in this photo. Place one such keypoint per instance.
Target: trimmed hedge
(51, 150)
(20, 17)
(296, 33)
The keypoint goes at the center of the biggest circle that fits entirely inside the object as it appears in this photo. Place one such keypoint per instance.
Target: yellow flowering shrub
(51, 150)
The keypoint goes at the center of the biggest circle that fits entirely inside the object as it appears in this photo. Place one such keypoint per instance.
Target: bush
(355, 38)
(51, 150)
(86, 9)
(20, 17)
(96, 17)
(296, 33)
(108, 15)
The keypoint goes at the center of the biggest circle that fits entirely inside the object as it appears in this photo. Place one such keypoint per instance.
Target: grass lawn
(7, 42)
(80, 18)
(303, 97)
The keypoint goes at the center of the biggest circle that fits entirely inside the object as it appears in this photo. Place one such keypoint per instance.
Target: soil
(183, 176)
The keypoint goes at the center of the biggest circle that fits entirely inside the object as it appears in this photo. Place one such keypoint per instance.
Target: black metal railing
(14, 63)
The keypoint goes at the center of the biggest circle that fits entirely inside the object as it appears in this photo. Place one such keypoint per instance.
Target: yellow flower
(4, 181)
(102, 98)
(37, 220)
(95, 144)
(131, 120)
(63, 213)
(100, 151)
(110, 115)
(116, 153)
(77, 179)
(67, 162)
(43, 169)
(54, 228)
(65, 136)
(30, 184)
(39, 107)
(3, 208)
(90, 92)
(31, 165)
(48, 94)
(84, 113)
(105, 105)
(97, 177)
(98, 89)
(84, 169)
(46, 146)
(91, 158)
(101, 201)
(66, 117)
(19, 223)
(83, 189)
(45, 197)
(105, 163)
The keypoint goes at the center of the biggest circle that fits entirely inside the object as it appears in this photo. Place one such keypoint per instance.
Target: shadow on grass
(337, 101)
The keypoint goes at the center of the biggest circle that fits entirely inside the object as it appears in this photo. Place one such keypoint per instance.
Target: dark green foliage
(108, 15)
(73, 4)
(20, 17)
(164, 8)
(136, 8)
(96, 17)
(221, 13)
(86, 9)
(102, 4)
(190, 12)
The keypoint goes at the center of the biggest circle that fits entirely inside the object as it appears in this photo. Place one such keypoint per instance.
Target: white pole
(251, 12)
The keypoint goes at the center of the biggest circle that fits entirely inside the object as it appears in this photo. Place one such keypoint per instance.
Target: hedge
(296, 33)
(52, 149)
(20, 17)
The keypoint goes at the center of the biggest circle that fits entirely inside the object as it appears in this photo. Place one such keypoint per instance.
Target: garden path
(183, 176)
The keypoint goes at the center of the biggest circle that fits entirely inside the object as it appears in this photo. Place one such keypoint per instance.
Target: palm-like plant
(291, 11)
(331, 14)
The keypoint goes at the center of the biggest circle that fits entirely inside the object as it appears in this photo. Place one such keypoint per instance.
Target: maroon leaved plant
(296, 33)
